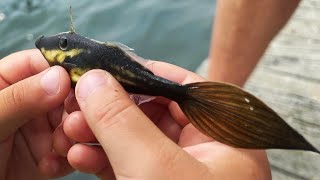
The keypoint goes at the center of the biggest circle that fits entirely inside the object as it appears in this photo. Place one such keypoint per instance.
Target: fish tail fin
(234, 117)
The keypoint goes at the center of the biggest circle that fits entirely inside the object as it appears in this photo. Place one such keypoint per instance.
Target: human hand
(31, 100)
(155, 141)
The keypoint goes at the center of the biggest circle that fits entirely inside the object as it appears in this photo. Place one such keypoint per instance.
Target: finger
(76, 128)
(160, 116)
(55, 116)
(176, 74)
(153, 111)
(61, 143)
(90, 159)
(134, 145)
(54, 166)
(21, 65)
(32, 97)
(243, 162)
(37, 134)
(71, 103)
(19, 153)
(191, 136)
(169, 127)
(172, 72)
(5, 152)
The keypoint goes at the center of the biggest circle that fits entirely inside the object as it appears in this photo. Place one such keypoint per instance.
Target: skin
(242, 31)
(31, 126)
(30, 110)
(155, 141)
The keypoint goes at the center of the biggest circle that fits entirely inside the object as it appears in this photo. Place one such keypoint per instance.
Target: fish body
(222, 111)
(82, 54)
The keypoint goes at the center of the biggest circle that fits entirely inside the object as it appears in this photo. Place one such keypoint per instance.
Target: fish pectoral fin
(68, 66)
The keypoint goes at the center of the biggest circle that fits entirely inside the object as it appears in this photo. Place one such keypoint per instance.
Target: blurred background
(170, 30)
(179, 32)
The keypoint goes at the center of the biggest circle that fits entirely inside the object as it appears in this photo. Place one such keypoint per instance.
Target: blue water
(175, 31)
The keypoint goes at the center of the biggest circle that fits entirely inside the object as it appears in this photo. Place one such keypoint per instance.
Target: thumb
(134, 145)
(31, 97)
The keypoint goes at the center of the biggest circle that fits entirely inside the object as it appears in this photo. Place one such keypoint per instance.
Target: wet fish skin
(222, 111)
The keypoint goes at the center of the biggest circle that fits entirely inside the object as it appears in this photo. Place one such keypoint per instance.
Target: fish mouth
(38, 41)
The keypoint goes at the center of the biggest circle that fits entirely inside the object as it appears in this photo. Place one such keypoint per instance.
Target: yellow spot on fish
(58, 56)
(123, 70)
(127, 81)
(76, 73)
(129, 73)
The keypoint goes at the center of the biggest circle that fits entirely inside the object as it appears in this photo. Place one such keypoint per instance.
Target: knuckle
(17, 95)
(12, 100)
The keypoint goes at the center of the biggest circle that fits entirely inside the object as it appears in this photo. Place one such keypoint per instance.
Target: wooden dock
(288, 79)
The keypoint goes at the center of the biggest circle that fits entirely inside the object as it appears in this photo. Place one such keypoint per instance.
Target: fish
(222, 111)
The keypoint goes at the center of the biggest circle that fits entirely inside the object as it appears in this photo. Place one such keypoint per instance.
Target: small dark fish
(221, 111)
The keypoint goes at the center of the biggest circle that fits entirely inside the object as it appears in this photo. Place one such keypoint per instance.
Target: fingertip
(54, 166)
(92, 81)
(25, 64)
(37, 61)
(76, 128)
(88, 159)
(55, 81)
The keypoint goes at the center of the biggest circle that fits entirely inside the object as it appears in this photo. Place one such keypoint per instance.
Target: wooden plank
(288, 80)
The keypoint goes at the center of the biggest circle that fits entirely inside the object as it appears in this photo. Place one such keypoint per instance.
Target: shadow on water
(173, 31)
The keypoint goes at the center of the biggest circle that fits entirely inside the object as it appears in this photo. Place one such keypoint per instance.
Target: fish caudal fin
(236, 118)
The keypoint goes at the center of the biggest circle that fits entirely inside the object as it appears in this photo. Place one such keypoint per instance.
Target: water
(175, 31)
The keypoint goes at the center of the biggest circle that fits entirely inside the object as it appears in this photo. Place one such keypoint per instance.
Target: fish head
(63, 48)
(75, 53)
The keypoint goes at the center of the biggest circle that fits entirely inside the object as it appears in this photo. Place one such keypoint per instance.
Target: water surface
(175, 31)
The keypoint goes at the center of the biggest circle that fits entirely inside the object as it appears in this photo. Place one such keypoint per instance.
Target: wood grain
(288, 80)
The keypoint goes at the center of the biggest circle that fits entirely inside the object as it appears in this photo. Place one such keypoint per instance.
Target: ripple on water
(2, 16)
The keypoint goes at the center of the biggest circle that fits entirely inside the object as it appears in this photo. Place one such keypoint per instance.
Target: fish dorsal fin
(120, 45)
(128, 50)
(72, 30)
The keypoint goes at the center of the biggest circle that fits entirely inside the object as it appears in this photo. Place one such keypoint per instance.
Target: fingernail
(90, 83)
(50, 81)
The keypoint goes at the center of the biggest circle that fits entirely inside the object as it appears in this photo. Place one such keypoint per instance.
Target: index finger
(21, 65)
(175, 74)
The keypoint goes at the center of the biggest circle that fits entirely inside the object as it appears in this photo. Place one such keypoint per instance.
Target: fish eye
(63, 43)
